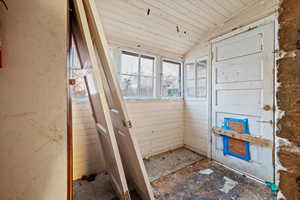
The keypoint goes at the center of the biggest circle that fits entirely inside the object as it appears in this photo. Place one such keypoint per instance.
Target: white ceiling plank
(244, 2)
(145, 36)
(237, 4)
(141, 40)
(170, 15)
(226, 5)
(207, 9)
(213, 4)
(185, 12)
(201, 12)
(138, 15)
(138, 27)
(147, 48)
(171, 25)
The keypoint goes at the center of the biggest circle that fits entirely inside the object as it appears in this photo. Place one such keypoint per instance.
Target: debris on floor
(100, 188)
(89, 178)
(189, 176)
(169, 162)
(223, 184)
(206, 171)
(228, 185)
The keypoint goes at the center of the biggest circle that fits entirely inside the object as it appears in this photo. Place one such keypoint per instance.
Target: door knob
(267, 107)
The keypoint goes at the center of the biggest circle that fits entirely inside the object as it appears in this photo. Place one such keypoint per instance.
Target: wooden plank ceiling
(173, 26)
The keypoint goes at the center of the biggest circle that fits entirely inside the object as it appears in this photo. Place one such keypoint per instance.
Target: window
(137, 75)
(196, 79)
(171, 79)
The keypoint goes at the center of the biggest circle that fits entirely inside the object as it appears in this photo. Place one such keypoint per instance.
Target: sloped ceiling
(172, 26)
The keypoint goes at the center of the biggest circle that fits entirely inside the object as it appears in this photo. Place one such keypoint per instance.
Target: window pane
(130, 64)
(171, 76)
(190, 76)
(146, 88)
(201, 68)
(190, 71)
(201, 87)
(147, 65)
(129, 85)
(190, 88)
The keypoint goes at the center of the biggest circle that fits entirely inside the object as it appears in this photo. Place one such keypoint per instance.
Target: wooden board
(86, 52)
(235, 145)
(243, 137)
(131, 158)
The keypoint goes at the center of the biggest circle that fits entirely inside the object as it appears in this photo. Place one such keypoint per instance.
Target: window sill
(131, 100)
(195, 99)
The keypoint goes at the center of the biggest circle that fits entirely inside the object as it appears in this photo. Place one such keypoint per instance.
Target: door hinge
(72, 81)
(127, 124)
(277, 53)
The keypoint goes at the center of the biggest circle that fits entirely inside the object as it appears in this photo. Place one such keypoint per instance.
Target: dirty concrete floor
(99, 189)
(207, 180)
(169, 162)
(182, 175)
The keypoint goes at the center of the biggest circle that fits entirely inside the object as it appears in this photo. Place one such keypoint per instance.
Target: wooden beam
(243, 137)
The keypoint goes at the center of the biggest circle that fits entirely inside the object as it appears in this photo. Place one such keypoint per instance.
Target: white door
(242, 85)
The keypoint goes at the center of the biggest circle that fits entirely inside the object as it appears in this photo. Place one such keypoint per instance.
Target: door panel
(242, 84)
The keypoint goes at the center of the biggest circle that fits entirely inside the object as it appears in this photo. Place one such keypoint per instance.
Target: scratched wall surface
(288, 96)
(33, 100)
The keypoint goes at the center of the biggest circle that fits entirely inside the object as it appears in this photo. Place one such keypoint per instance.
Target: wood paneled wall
(196, 135)
(158, 125)
(87, 153)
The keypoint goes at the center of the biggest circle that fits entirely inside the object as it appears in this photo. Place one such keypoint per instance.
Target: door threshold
(242, 173)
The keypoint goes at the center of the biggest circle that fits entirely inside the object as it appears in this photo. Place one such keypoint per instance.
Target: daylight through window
(137, 75)
(196, 79)
(171, 79)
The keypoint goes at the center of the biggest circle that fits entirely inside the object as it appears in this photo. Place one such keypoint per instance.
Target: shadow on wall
(33, 107)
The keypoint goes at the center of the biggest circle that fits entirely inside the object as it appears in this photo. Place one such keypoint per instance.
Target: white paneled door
(243, 88)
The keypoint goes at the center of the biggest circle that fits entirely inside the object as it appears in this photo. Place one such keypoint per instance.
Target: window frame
(154, 74)
(194, 62)
(181, 81)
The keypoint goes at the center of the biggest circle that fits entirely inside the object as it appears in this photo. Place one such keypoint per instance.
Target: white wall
(33, 100)
(157, 125)
(87, 153)
(196, 126)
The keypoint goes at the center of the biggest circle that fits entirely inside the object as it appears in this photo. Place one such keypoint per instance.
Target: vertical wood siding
(87, 153)
(196, 125)
(157, 125)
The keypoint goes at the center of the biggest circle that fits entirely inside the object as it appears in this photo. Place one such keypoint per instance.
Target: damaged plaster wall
(33, 102)
(288, 99)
